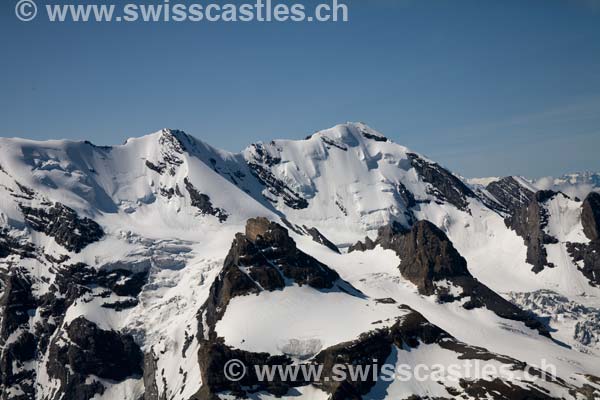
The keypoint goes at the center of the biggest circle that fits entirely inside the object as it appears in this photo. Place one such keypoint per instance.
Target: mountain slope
(173, 256)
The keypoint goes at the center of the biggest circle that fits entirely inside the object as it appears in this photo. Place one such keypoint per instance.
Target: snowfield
(116, 252)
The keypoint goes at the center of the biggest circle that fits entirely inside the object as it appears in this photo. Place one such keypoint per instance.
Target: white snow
(268, 322)
(351, 183)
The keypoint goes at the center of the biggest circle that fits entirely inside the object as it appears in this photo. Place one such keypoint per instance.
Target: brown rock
(590, 216)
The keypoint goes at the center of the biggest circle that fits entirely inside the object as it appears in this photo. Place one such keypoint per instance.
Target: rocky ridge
(127, 250)
(434, 266)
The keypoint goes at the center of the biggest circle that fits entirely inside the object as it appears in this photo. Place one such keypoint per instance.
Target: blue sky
(483, 87)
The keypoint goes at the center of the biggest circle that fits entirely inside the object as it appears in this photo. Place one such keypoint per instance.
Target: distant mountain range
(574, 185)
(139, 271)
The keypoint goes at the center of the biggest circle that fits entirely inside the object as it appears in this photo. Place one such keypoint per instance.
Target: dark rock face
(589, 253)
(10, 245)
(374, 137)
(277, 187)
(121, 281)
(332, 143)
(171, 192)
(92, 351)
(213, 356)
(372, 349)
(260, 164)
(29, 341)
(73, 281)
(70, 284)
(158, 168)
(413, 330)
(406, 198)
(590, 216)
(368, 135)
(202, 202)
(106, 354)
(16, 301)
(319, 238)
(445, 186)
(427, 256)
(172, 148)
(121, 305)
(64, 225)
(313, 232)
(360, 246)
(232, 282)
(385, 236)
(510, 194)
(430, 261)
(529, 223)
(406, 195)
(150, 368)
(26, 192)
(15, 305)
(263, 156)
(272, 245)
(264, 258)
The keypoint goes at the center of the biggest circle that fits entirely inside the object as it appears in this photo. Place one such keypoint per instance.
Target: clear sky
(483, 87)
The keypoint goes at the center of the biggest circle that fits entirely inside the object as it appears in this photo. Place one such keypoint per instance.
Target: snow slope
(169, 206)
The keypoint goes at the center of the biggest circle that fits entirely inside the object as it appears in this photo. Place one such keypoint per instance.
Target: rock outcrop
(320, 238)
(510, 195)
(587, 255)
(84, 350)
(427, 256)
(17, 343)
(11, 245)
(430, 261)
(203, 203)
(26, 341)
(444, 185)
(265, 257)
(259, 163)
(213, 356)
(590, 216)
(529, 223)
(371, 350)
(64, 225)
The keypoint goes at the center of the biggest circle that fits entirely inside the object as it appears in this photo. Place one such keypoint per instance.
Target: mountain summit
(137, 271)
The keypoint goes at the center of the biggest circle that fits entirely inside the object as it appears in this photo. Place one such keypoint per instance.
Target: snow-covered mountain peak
(352, 174)
(134, 271)
(351, 134)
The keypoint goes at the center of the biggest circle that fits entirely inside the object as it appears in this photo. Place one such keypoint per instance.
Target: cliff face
(590, 216)
(510, 195)
(588, 254)
(430, 261)
(427, 255)
(530, 222)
